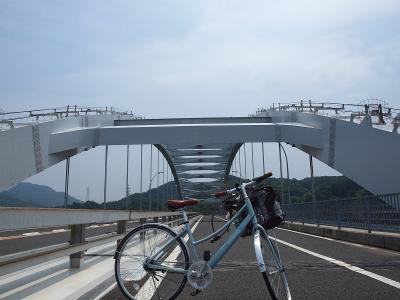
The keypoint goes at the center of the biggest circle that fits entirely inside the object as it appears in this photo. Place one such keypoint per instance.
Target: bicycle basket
(266, 206)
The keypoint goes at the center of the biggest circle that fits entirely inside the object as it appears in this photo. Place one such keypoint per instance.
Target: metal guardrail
(26, 117)
(377, 110)
(23, 218)
(378, 213)
(13, 218)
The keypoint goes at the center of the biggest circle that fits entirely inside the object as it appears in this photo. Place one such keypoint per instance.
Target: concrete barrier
(385, 240)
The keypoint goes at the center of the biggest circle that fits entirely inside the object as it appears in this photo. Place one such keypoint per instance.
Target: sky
(194, 59)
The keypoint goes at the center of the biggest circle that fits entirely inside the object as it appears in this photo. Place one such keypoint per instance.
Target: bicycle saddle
(176, 204)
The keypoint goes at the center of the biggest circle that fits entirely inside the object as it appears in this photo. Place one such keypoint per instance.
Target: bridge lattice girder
(200, 167)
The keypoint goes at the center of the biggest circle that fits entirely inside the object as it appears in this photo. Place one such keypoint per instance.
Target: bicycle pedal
(207, 255)
(195, 292)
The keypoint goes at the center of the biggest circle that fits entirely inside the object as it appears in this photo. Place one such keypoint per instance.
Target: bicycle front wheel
(270, 265)
(139, 281)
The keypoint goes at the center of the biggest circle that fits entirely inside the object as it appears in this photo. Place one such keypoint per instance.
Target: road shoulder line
(340, 263)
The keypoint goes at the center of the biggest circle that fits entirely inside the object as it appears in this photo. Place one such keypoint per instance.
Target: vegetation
(326, 187)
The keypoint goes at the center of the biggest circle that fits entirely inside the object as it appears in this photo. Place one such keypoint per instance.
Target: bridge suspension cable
(66, 188)
(127, 177)
(263, 157)
(252, 159)
(158, 179)
(151, 176)
(105, 177)
(287, 174)
(245, 160)
(240, 166)
(163, 182)
(141, 177)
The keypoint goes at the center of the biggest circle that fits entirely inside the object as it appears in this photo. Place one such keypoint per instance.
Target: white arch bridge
(362, 144)
(200, 151)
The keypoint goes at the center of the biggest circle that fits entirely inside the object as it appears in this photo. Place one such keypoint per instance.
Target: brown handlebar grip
(220, 194)
(262, 177)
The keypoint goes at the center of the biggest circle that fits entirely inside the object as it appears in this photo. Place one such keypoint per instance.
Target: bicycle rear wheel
(270, 265)
(139, 282)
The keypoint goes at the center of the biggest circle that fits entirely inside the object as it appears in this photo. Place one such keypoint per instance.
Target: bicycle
(152, 255)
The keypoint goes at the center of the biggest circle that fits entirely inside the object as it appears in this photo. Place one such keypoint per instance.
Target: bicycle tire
(139, 239)
(271, 267)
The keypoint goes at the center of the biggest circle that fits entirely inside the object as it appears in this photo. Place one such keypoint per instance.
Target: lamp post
(151, 180)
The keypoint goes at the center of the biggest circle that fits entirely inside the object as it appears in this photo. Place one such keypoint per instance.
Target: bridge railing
(372, 213)
(26, 117)
(76, 220)
(377, 110)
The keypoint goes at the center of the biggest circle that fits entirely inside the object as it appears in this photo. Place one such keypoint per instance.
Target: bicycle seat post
(184, 216)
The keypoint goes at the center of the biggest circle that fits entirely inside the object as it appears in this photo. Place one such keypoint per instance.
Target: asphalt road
(309, 276)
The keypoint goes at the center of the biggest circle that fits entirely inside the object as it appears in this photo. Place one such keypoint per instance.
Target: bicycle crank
(200, 275)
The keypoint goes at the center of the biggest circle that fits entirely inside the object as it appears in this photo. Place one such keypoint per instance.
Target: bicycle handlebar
(262, 177)
(254, 180)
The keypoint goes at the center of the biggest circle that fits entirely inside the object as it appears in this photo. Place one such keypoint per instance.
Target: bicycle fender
(258, 250)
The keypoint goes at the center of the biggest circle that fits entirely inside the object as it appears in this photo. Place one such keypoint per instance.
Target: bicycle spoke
(166, 278)
(155, 287)
(138, 282)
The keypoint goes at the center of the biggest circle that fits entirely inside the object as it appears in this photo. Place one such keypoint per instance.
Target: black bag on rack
(268, 211)
(266, 206)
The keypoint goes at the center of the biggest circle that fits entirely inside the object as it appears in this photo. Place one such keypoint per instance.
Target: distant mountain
(26, 194)
(10, 201)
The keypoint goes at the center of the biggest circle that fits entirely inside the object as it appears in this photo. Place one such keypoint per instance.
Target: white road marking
(308, 234)
(380, 278)
(59, 230)
(341, 242)
(32, 283)
(31, 233)
(106, 291)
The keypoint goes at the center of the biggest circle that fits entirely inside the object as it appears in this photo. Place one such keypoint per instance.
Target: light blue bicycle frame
(216, 257)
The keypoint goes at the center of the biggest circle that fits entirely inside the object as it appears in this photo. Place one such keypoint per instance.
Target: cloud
(200, 58)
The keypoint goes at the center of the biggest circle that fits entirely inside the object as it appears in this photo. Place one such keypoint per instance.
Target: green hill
(326, 187)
